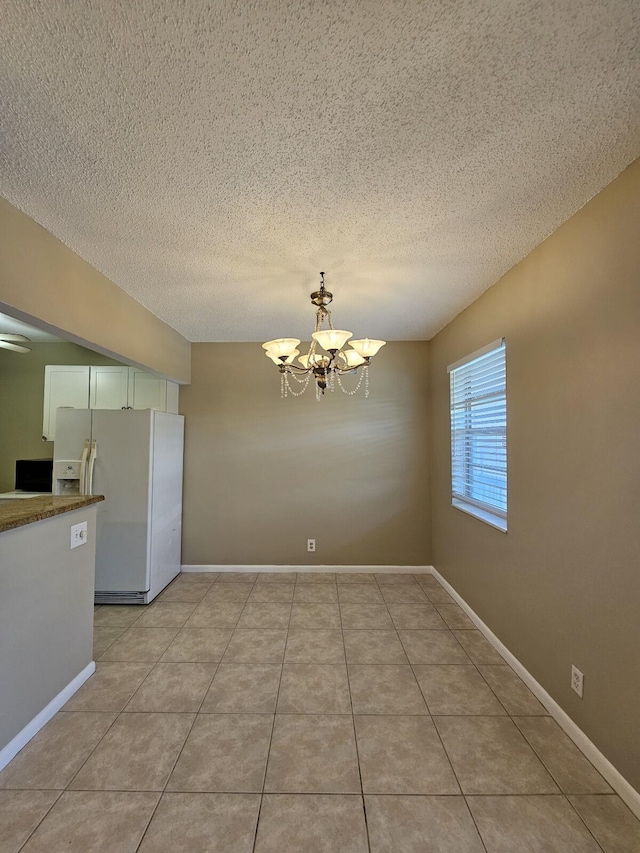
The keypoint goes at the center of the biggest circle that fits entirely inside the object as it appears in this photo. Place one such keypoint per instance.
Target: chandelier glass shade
(332, 339)
(326, 361)
(276, 360)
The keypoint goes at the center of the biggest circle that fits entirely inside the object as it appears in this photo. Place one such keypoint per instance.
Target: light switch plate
(78, 535)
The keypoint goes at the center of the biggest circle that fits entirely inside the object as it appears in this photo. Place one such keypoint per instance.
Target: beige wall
(42, 279)
(22, 397)
(563, 585)
(264, 474)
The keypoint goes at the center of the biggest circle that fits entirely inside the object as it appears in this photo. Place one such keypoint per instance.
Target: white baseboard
(31, 729)
(413, 570)
(617, 781)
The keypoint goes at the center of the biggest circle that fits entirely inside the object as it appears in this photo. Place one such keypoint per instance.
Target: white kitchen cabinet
(64, 385)
(103, 387)
(146, 391)
(120, 387)
(109, 387)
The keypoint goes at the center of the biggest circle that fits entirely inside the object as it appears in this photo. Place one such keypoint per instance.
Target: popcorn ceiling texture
(211, 157)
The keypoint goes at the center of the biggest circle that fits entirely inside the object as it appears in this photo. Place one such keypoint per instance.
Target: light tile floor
(316, 713)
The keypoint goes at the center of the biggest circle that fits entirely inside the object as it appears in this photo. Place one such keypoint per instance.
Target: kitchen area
(76, 423)
(91, 458)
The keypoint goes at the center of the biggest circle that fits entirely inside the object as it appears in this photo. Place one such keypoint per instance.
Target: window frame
(485, 511)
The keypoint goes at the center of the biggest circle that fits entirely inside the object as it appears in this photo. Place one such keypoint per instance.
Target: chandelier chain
(286, 388)
(364, 374)
(298, 379)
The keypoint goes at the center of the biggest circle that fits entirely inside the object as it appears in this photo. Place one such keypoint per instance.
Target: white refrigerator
(134, 458)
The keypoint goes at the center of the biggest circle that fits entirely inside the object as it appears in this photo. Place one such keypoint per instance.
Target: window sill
(481, 514)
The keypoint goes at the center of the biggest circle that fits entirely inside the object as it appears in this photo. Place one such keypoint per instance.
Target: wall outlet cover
(577, 681)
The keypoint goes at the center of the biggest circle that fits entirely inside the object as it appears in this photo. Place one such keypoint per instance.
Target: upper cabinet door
(64, 385)
(146, 391)
(109, 387)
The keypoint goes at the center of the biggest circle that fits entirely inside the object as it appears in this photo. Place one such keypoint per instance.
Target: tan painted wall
(41, 279)
(563, 585)
(264, 474)
(21, 401)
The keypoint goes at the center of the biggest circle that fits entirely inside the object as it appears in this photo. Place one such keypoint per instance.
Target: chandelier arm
(289, 368)
(342, 371)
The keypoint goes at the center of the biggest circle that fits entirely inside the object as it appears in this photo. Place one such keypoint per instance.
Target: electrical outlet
(78, 535)
(311, 544)
(577, 681)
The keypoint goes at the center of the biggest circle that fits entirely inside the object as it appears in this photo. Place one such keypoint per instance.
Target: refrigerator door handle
(92, 462)
(83, 469)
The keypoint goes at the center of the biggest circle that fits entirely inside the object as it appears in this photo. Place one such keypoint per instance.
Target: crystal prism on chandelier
(326, 367)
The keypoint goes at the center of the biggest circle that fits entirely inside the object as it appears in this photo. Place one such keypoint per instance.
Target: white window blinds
(479, 433)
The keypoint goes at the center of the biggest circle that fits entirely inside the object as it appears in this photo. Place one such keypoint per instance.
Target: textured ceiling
(211, 157)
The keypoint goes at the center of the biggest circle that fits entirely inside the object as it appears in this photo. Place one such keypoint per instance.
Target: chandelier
(328, 367)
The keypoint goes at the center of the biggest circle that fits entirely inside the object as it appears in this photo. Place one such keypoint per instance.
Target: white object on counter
(18, 494)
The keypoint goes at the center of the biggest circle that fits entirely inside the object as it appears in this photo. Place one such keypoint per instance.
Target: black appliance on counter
(34, 475)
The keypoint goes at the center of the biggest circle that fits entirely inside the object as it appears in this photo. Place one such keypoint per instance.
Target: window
(479, 434)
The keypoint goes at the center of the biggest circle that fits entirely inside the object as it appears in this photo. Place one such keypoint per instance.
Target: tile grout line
(159, 660)
(513, 718)
(99, 741)
(193, 722)
(445, 749)
(97, 744)
(472, 663)
(583, 821)
(353, 726)
(33, 831)
(160, 793)
(564, 793)
(97, 657)
(475, 665)
(273, 723)
(552, 795)
(455, 775)
(510, 716)
(298, 713)
(125, 629)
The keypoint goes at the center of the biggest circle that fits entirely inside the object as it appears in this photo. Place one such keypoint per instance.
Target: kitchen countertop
(17, 513)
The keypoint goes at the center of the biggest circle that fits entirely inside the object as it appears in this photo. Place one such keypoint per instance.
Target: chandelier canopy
(326, 367)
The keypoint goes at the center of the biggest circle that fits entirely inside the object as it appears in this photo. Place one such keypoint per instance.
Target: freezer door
(122, 474)
(72, 435)
(73, 428)
(166, 502)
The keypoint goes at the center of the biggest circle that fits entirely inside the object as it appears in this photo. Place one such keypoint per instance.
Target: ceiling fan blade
(13, 347)
(4, 337)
